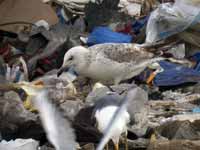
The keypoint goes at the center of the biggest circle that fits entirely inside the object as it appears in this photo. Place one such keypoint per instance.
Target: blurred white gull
(57, 128)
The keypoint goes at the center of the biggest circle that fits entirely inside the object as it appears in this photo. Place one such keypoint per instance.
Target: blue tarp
(175, 74)
(105, 35)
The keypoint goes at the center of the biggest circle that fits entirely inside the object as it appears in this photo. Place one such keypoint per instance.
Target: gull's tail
(58, 129)
(138, 67)
(142, 65)
(153, 60)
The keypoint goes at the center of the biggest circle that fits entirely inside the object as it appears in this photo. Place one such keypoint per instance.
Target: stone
(174, 145)
(19, 144)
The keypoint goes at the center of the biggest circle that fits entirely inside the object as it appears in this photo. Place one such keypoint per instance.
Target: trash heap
(60, 58)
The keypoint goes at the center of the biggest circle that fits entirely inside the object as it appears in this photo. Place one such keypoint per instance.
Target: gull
(119, 117)
(109, 62)
(58, 129)
(104, 110)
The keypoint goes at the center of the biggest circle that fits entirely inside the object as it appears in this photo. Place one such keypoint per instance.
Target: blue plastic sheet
(175, 74)
(196, 110)
(105, 35)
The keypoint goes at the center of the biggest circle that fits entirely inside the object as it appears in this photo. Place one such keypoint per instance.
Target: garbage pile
(95, 74)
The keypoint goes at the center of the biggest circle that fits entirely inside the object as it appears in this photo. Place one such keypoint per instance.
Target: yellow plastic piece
(28, 105)
(31, 90)
(153, 138)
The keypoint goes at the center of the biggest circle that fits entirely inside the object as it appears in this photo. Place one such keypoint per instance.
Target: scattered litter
(22, 14)
(19, 144)
(65, 63)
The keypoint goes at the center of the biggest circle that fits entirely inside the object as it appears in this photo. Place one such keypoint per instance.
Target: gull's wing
(121, 52)
(131, 95)
(58, 129)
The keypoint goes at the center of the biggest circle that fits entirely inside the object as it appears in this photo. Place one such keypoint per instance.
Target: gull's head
(76, 58)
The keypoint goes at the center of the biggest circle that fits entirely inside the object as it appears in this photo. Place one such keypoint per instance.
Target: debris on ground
(19, 144)
(80, 74)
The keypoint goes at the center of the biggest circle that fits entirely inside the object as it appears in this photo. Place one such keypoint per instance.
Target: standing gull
(119, 117)
(108, 62)
(104, 110)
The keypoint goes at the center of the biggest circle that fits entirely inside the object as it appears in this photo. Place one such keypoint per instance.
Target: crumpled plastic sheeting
(132, 8)
(169, 19)
(74, 6)
(175, 74)
(106, 35)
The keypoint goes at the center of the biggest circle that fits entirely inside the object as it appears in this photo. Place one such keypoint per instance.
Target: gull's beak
(65, 67)
(60, 71)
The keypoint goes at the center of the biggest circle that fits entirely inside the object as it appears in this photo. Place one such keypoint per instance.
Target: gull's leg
(115, 141)
(126, 140)
(117, 81)
(107, 147)
(116, 146)
(109, 87)
(89, 82)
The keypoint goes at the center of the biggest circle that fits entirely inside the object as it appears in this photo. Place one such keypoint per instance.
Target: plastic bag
(169, 19)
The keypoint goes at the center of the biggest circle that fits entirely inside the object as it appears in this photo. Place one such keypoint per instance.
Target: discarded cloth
(106, 35)
(133, 27)
(175, 74)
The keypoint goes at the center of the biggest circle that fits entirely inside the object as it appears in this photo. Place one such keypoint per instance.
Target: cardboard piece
(24, 11)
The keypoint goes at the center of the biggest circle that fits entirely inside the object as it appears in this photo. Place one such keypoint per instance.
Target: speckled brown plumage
(122, 52)
(109, 62)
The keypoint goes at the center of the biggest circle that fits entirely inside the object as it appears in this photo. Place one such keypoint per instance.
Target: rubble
(19, 144)
(137, 8)
(140, 57)
(175, 144)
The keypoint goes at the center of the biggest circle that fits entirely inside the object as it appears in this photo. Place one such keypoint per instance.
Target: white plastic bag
(131, 8)
(169, 19)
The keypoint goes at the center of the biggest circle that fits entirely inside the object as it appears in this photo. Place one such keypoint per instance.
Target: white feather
(104, 117)
(58, 129)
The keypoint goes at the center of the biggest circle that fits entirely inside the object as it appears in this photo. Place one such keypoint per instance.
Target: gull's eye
(71, 58)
